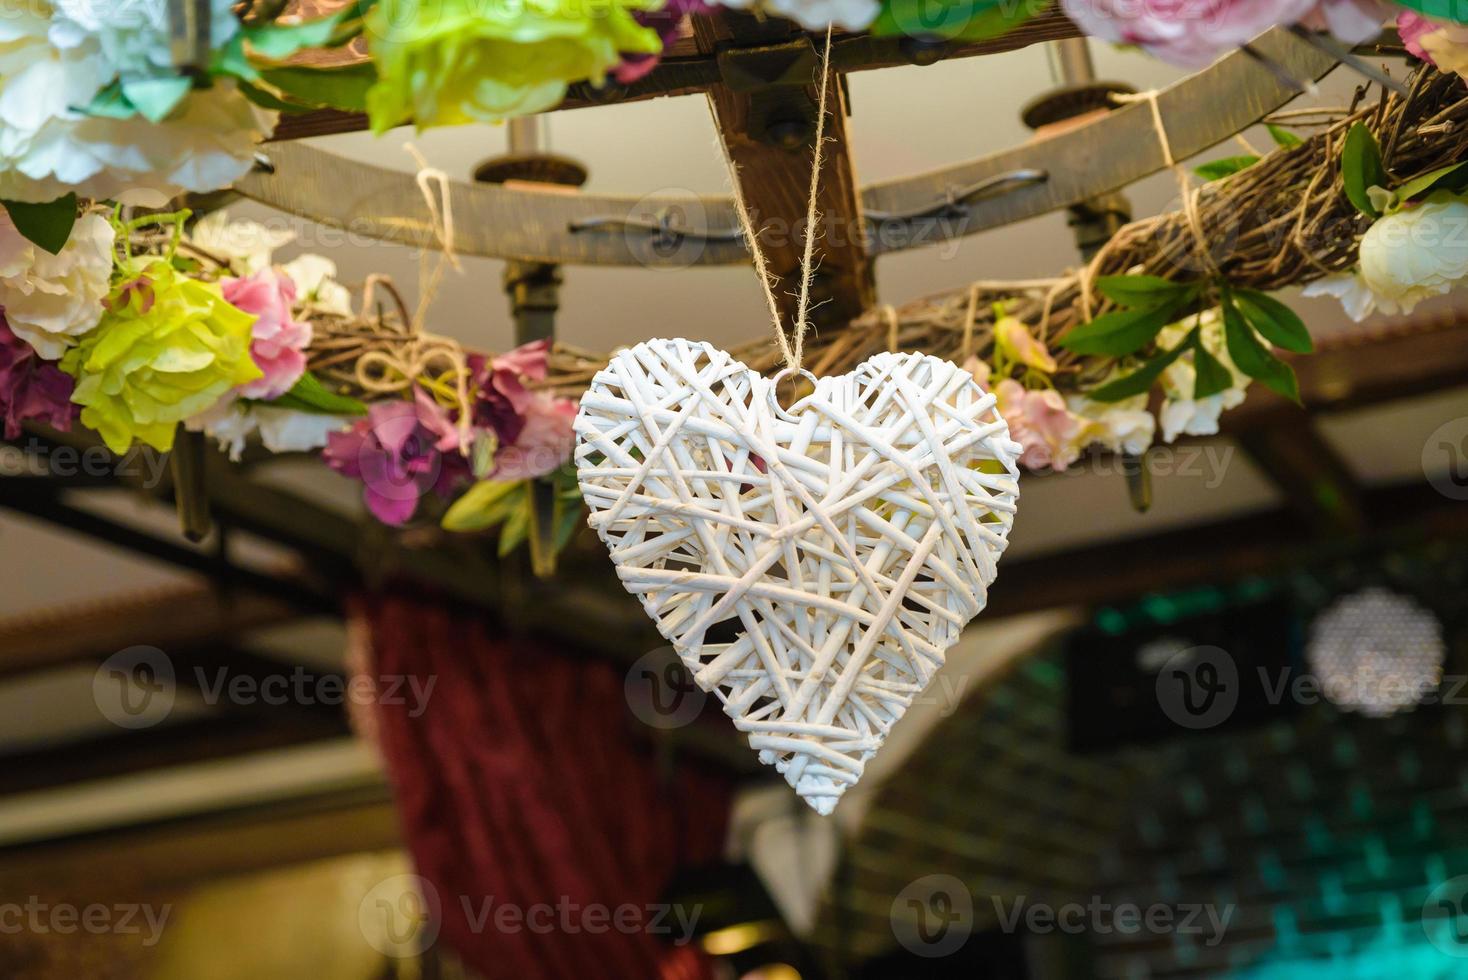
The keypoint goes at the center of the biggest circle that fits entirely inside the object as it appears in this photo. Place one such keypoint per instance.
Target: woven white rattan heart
(846, 540)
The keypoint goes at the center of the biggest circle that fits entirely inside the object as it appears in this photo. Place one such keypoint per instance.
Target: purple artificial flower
(666, 22)
(400, 452)
(502, 400)
(31, 388)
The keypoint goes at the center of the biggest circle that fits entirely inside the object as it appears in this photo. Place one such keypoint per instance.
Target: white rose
(50, 300)
(248, 246)
(1417, 253)
(316, 285)
(1122, 427)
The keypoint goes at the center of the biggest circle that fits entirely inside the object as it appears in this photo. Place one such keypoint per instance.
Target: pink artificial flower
(501, 396)
(544, 442)
(1413, 27)
(279, 345)
(1192, 33)
(1041, 423)
(400, 452)
(1441, 44)
(31, 388)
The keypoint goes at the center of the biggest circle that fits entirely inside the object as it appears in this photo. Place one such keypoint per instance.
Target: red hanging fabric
(522, 784)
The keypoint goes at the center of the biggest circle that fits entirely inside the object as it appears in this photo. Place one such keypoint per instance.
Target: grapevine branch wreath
(1285, 221)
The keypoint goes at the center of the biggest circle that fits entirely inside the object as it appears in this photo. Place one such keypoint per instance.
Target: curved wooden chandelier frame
(1088, 161)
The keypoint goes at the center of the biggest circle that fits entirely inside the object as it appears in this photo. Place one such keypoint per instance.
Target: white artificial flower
(316, 285)
(1181, 413)
(248, 246)
(1417, 253)
(1122, 427)
(50, 300)
(282, 430)
(134, 35)
(817, 15)
(1356, 298)
(48, 147)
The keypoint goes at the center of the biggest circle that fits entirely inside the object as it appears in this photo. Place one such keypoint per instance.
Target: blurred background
(1218, 736)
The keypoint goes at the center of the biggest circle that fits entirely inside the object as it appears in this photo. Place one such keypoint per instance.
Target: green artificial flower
(168, 347)
(448, 62)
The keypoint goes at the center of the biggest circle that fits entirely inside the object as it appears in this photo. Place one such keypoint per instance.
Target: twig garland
(1284, 221)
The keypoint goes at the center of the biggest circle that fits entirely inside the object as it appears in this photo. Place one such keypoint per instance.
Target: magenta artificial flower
(544, 443)
(1192, 33)
(31, 388)
(1413, 27)
(401, 451)
(279, 342)
(666, 21)
(502, 398)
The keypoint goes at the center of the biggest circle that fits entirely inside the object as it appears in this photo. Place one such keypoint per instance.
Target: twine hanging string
(1192, 211)
(792, 348)
(391, 354)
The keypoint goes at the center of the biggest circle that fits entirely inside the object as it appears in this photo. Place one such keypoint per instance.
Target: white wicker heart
(846, 540)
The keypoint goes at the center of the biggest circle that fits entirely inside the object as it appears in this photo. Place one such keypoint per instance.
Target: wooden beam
(1318, 484)
(1218, 552)
(179, 617)
(684, 70)
(765, 109)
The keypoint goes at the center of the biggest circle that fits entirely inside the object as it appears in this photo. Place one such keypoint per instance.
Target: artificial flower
(1192, 33)
(979, 369)
(315, 279)
(501, 398)
(1350, 21)
(1355, 296)
(279, 345)
(1441, 44)
(666, 22)
(1014, 341)
(31, 388)
(544, 441)
(133, 35)
(167, 348)
(1122, 427)
(49, 300)
(817, 15)
(1181, 412)
(247, 246)
(400, 452)
(282, 430)
(1416, 253)
(463, 61)
(1040, 421)
(53, 66)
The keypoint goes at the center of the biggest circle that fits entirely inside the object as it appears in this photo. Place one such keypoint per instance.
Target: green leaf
(517, 524)
(483, 505)
(1427, 182)
(1210, 376)
(268, 100)
(47, 225)
(1227, 167)
(110, 103)
(1452, 10)
(1276, 322)
(310, 395)
(1118, 333)
(156, 98)
(1253, 358)
(970, 20)
(1283, 137)
(1361, 168)
(568, 522)
(277, 42)
(1141, 380)
(336, 88)
(1145, 292)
